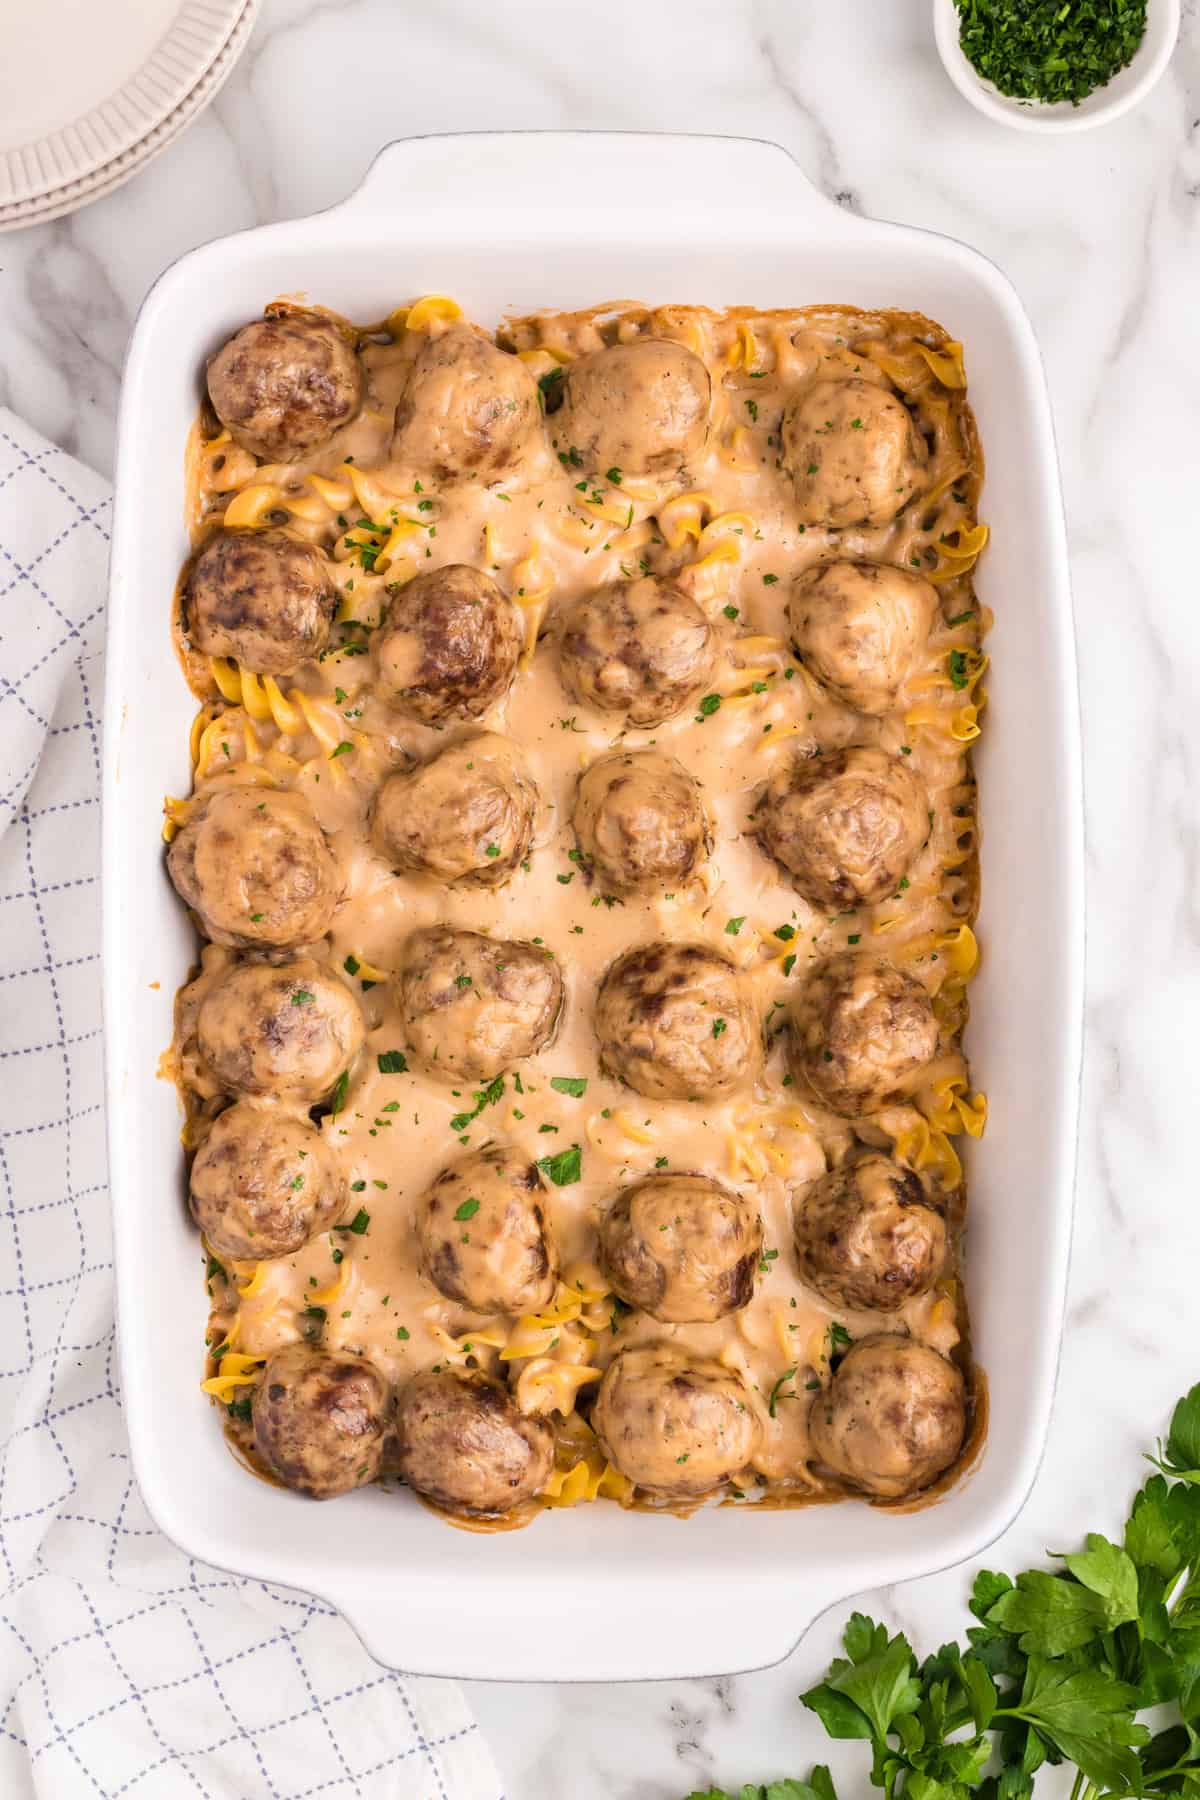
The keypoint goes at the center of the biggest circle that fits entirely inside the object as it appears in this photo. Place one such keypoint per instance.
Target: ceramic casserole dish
(513, 222)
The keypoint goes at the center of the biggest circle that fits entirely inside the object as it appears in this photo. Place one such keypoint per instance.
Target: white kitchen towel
(125, 1667)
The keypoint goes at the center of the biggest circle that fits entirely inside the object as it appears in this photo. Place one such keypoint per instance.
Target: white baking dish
(521, 221)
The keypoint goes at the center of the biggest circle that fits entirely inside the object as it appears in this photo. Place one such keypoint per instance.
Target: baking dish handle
(721, 1622)
(577, 175)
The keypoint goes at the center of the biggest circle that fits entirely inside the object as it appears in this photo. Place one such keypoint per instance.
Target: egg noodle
(727, 536)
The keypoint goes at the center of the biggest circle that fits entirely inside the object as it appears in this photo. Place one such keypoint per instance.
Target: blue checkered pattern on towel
(125, 1667)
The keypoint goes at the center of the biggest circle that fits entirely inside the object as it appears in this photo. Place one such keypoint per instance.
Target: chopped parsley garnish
(564, 1168)
(778, 1394)
(733, 926)
(341, 749)
(719, 1025)
(337, 1098)
(392, 1062)
(710, 704)
(302, 997)
(487, 1096)
(550, 385)
(958, 668)
(574, 1085)
(467, 1210)
(358, 1224)
(352, 965)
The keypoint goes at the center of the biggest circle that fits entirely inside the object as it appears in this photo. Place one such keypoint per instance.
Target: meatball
(861, 1030)
(463, 1443)
(859, 627)
(682, 1247)
(287, 1030)
(676, 1023)
(471, 1005)
(449, 646)
(263, 1183)
(469, 411)
(675, 1426)
(466, 815)
(261, 598)
(483, 1234)
(253, 865)
(320, 1419)
(854, 453)
(639, 408)
(284, 385)
(640, 648)
(640, 821)
(867, 1237)
(846, 825)
(894, 1417)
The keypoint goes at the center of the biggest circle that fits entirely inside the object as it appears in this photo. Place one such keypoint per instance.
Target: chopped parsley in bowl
(1055, 65)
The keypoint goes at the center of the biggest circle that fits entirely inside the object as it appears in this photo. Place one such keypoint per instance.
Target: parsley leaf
(564, 1168)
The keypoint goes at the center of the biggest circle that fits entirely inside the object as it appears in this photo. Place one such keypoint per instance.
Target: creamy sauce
(542, 543)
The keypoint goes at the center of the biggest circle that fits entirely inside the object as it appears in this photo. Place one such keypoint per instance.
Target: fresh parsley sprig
(1056, 1669)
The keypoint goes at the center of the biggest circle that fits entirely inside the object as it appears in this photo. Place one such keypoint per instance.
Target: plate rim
(83, 148)
(60, 201)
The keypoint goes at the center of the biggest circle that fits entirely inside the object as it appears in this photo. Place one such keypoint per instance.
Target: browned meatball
(640, 821)
(676, 1022)
(867, 1237)
(636, 409)
(675, 1426)
(287, 1030)
(854, 453)
(466, 815)
(893, 1418)
(320, 1419)
(640, 648)
(682, 1247)
(859, 627)
(471, 1005)
(462, 1442)
(469, 411)
(845, 825)
(483, 1233)
(862, 1029)
(263, 1183)
(261, 598)
(284, 385)
(253, 865)
(449, 646)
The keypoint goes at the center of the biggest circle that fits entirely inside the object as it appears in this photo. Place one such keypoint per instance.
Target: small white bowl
(1123, 91)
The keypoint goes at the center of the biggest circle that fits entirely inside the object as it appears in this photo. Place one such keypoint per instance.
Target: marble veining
(1101, 235)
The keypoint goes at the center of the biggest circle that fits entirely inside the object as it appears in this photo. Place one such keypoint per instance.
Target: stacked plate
(89, 93)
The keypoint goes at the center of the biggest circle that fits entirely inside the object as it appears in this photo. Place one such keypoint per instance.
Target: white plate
(529, 220)
(127, 80)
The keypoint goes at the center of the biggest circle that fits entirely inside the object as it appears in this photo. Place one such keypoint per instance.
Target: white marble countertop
(1101, 235)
